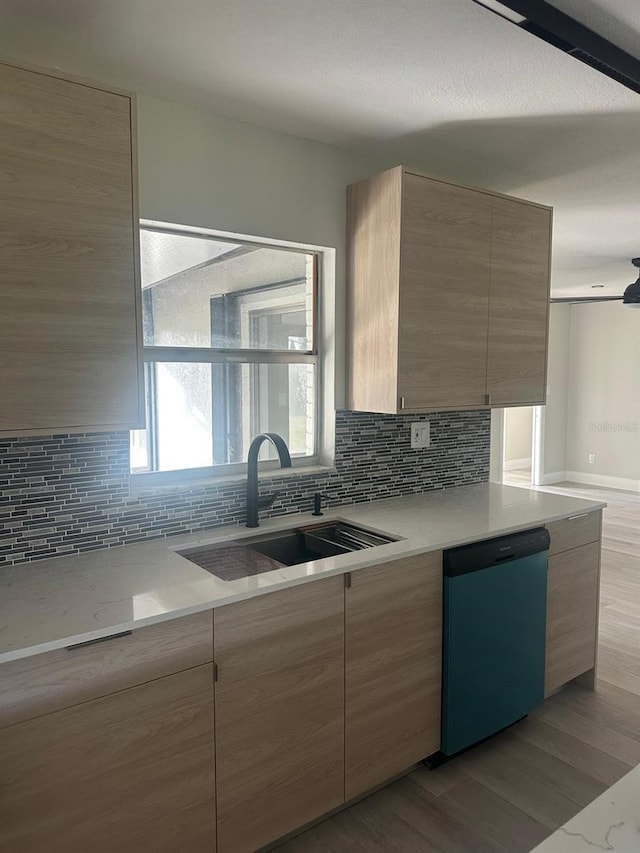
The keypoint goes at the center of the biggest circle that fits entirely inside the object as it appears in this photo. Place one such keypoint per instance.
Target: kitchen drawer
(54, 680)
(572, 532)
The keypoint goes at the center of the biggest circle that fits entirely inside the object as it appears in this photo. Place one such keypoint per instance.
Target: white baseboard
(553, 477)
(604, 480)
(515, 464)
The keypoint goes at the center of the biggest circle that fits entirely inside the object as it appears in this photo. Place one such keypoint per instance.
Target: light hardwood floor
(510, 793)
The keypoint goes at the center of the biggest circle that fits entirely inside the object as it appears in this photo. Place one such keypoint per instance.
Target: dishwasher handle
(491, 552)
(507, 558)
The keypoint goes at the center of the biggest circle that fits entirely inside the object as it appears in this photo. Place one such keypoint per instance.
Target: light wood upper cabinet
(374, 216)
(393, 669)
(519, 303)
(447, 296)
(130, 771)
(445, 264)
(279, 703)
(70, 321)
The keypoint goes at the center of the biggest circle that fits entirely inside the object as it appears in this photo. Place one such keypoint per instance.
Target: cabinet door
(69, 324)
(374, 217)
(519, 303)
(444, 295)
(572, 614)
(128, 772)
(393, 669)
(279, 712)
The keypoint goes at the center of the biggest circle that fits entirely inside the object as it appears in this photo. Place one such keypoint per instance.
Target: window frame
(224, 355)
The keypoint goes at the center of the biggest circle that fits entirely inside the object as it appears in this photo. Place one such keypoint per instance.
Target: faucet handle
(267, 501)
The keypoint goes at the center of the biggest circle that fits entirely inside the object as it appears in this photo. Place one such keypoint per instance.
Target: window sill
(182, 482)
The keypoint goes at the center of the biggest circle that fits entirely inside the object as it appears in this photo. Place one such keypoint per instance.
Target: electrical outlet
(420, 434)
(592, 459)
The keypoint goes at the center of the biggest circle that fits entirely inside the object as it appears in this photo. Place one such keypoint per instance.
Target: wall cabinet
(573, 600)
(393, 658)
(130, 771)
(70, 349)
(447, 296)
(279, 712)
(518, 303)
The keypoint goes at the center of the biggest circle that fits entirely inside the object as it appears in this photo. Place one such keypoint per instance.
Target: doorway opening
(516, 445)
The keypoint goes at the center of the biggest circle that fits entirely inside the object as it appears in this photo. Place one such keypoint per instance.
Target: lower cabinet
(130, 771)
(393, 669)
(279, 712)
(322, 692)
(572, 614)
(573, 597)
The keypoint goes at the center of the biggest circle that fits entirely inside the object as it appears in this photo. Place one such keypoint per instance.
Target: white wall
(555, 412)
(517, 437)
(603, 415)
(200, 169)
(511, 439)
(196, 168)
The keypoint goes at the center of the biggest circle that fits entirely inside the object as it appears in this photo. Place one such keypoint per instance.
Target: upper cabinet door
(374, 218)
(69, 326)
(519, 305)
(447, 294)
(444, 295)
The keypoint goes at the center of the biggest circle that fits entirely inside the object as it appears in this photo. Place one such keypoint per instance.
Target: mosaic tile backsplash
(69, 493)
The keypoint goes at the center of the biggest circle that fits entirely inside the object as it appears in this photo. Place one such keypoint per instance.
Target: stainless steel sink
(257, 554)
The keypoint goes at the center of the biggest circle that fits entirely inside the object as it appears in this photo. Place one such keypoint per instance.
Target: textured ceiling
(440, 84)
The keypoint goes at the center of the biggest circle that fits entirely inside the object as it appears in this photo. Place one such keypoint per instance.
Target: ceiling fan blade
(576, 299)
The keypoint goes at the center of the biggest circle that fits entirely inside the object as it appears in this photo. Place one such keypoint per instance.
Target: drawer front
(572, 532)
(54, 680)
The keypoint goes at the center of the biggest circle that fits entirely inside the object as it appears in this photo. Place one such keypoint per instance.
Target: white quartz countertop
(50, 604)
(611, 822)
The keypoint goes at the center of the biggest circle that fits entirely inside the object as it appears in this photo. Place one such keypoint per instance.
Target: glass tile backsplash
(64, 494)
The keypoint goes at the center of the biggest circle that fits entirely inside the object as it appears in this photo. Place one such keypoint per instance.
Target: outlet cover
(592, 459)
(420, 434)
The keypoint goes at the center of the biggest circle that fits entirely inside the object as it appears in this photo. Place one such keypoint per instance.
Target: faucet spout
(252, 470)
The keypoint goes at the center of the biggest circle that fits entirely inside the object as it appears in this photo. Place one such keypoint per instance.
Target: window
(230, 350)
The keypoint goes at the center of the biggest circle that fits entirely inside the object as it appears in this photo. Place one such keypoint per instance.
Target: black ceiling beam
(564, 32)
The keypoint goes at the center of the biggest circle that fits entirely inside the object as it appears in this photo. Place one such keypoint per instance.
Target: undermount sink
(293, 547)
(257, 554)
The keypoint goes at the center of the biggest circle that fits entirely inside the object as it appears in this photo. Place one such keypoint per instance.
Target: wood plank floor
(510, 793)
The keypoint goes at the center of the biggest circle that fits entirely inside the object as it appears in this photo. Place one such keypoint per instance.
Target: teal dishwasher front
(495, 604)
